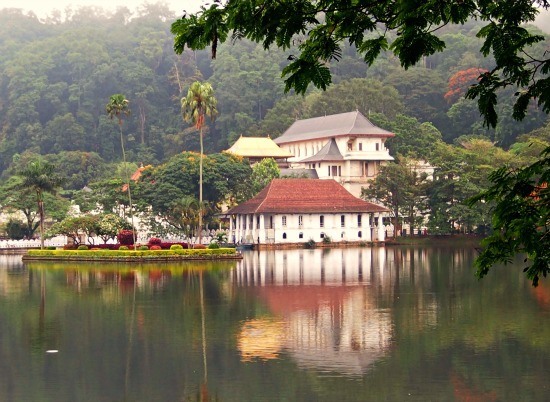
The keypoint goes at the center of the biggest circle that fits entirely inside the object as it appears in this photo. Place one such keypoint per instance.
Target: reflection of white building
(345, 147)
(299, 210)
(325, 315)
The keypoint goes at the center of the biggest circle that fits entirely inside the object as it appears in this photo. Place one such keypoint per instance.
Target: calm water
(395, 324)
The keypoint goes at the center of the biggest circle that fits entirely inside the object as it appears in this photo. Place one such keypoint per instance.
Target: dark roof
(298, 173)
(304, 196)
(336, 125)
(329, 153)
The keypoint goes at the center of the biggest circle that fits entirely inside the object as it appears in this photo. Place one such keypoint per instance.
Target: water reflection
(329, 316)
(335, 324)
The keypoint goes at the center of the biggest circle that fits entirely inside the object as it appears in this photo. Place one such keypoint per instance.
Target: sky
(42, 8)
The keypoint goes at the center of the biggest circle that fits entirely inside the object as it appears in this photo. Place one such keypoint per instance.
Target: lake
(355, 324)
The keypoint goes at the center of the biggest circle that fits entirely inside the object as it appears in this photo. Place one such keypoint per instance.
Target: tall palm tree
(39, 176)
(118, 107)
(198, 103)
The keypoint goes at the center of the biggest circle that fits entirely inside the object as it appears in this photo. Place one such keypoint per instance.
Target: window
(322, 235)
(339, 170)
(284, 235)
(343, 221)
(300, 220)
(377, 146)
(360, 146)
(284, 220)
(258, 222)
(301, 235)
(359, 219)
(322, 221)
(359, 234)
(329, 170)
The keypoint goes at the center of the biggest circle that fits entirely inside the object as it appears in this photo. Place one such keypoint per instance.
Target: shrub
(213, 245)
(154, 241)
(199, 246)
(143, 248)
(310, 244)
(51, 248)
(126, 237)
(176, 247)
(155, 247)
(70, 247)
(83, 247)
(123, 248)
(327, 239)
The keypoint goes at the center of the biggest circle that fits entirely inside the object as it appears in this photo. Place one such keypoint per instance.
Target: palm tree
(118, 107)
(39, 176)
(198, 103)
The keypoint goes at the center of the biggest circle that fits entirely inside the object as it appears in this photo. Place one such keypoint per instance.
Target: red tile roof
(304, 196)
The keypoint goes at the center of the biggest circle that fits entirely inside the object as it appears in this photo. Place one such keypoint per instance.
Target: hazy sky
(43, 7)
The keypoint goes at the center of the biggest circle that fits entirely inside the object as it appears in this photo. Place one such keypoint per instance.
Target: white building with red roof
(345, 147)
(299, 210)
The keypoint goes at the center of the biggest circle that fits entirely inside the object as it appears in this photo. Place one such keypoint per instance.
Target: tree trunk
(200, 188)
(41, 213)
(127, 183)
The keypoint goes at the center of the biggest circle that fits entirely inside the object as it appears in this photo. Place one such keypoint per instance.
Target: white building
(298, 210)
(345, 147)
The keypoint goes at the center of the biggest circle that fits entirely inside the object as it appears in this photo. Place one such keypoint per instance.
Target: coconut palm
(118, 107)
(39, 176)
(199, 103)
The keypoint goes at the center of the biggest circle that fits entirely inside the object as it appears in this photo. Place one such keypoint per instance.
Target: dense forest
(57, 74)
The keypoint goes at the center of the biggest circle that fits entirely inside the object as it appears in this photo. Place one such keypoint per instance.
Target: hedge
(131, 254)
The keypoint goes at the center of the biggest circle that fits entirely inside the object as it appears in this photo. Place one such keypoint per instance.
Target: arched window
(284, 235)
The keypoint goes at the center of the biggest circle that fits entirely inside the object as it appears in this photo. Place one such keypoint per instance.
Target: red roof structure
(304, 196)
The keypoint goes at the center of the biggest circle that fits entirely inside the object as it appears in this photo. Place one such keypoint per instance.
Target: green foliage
(176, 247)
(143, 248)
(82, 247)
(310, 244)
(129, 255)
(213, 245)
(16, 229)
(520, 219)
(414, 26)
(124, 248)
(327, 239)
(262, 174)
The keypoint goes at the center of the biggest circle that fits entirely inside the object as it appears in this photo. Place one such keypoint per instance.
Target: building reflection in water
(326, 303)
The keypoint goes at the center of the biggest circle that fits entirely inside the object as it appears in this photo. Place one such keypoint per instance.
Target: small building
(345, 147)
(258, 148)
(299, 210)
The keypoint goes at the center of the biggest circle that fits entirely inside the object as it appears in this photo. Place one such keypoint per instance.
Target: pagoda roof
(258, 147)
(336, 125)
(304, 196)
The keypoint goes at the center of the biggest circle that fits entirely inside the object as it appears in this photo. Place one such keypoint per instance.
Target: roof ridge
(266, 195)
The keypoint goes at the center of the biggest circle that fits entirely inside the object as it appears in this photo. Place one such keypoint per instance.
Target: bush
(70, 247)
(126, 237)
(143, 248)
(123, 248)
(154, 241)
(213, 245)
(199, 246)
(51, 248)
(83, 247)
(310, 244)
(327, 239)
(176, 247)
(155, 247)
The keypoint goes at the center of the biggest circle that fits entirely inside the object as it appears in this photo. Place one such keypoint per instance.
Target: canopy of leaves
(325, 26)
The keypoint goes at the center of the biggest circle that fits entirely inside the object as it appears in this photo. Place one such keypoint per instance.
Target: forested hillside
(57, 75)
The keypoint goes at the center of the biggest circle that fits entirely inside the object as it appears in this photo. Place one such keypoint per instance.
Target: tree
(118, 107)
(199, 103)
(521, 218)
(40, 177)
(262, 174)
(408, 29)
